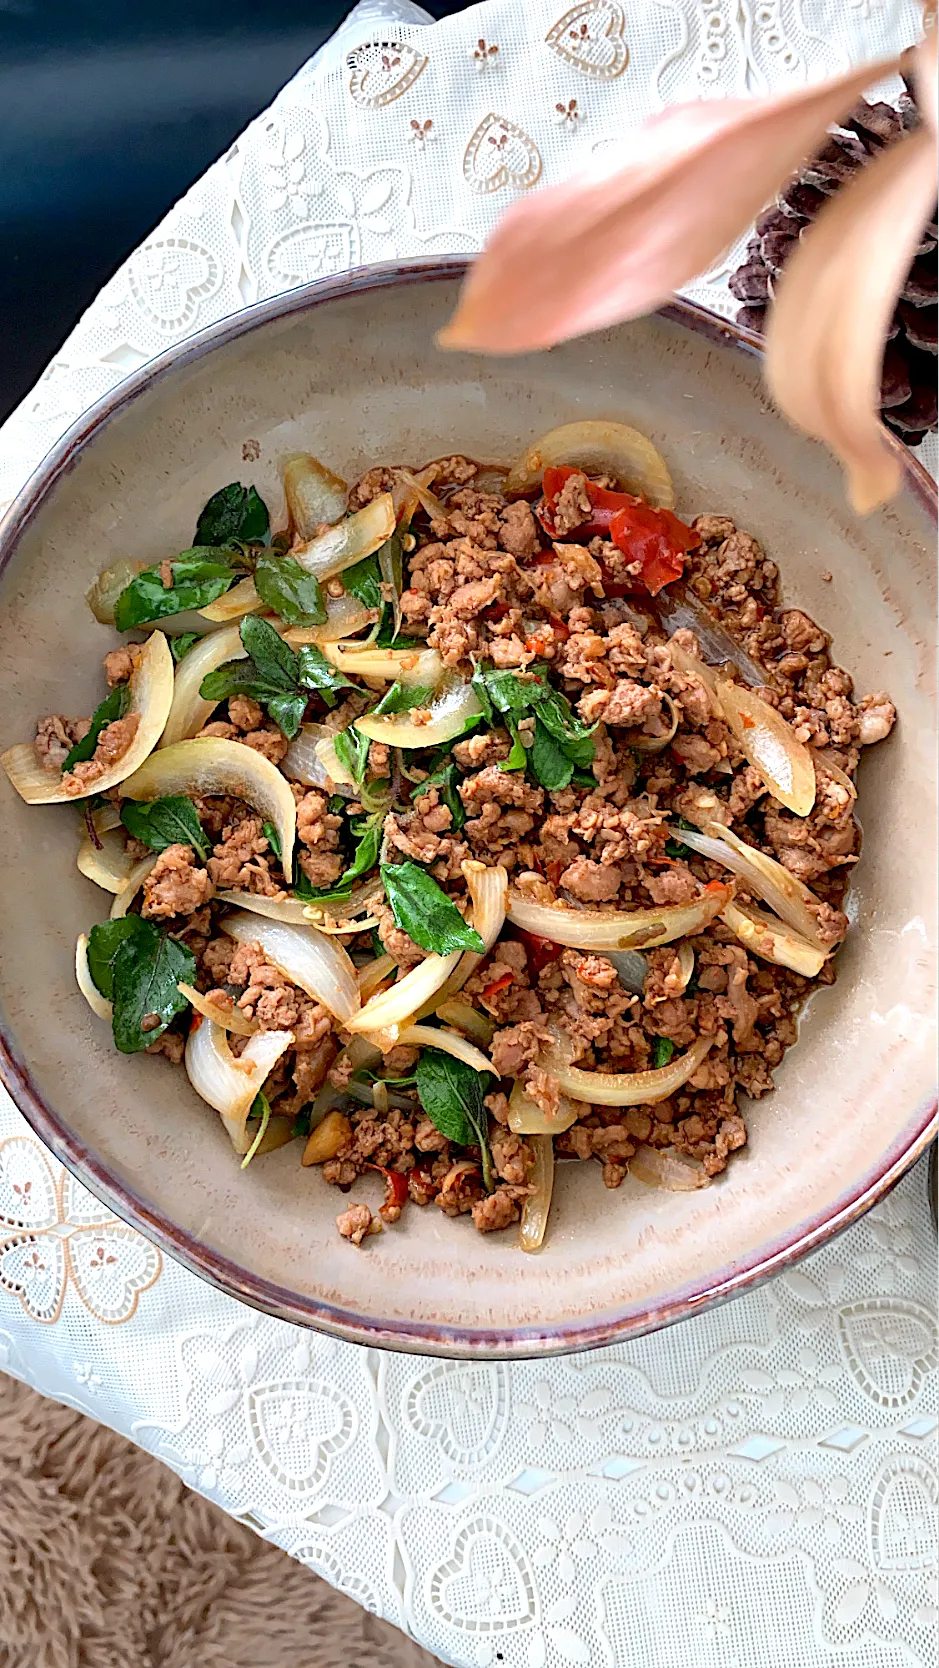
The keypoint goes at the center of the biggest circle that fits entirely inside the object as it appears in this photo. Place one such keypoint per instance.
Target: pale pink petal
(827, 329)
(924, 59)
(614, 242)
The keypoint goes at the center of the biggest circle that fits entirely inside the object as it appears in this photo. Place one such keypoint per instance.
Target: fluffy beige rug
(107, 1561)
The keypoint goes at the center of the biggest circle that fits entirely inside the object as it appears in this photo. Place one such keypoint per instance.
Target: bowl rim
(434, 1338)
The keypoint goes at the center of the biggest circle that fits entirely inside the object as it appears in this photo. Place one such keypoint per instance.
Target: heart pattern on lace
(54, 1234)
(381, 71)
(500, 153)
(590, 37)
(462, 1406)
(298, 1426)
(486, 1585)
(312, 251)
(904, 1516)
(889, 1345)
(169, 280)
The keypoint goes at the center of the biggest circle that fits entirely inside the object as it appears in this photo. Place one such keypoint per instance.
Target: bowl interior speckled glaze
(348, 370)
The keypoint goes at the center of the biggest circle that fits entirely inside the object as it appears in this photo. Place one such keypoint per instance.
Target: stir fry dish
(478, 819)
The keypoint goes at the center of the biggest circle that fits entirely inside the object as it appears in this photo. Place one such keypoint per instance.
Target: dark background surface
(109, 109)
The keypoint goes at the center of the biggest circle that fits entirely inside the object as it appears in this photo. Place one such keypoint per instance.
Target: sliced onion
(431, 1036)
(768, 744)
(771, 941)
(413, 667)
(190, 711)
(151, 695)
(288, 911)
(632, 967)
(488, 889)
(349, 541)
(449, 717)
(242, 599)
(321, 968)
(677, 608)
(373, 974)
(229, 1084)
(419, 487)
(314, 494)
(345, 616)
(342, 926)
(832, 768)
(211, 765)
(617, 929)
(361, 899)
(109, 865)
(526, 1117)
(409, 490)
(538, 1204)
(98, 1004)
(335, 771)
(103, 594)
(230, 1019)
(641, 743)
(138, 874)
(462, 1016)
(665, 1168)
(628, 1088)
(768, 879)
(686, 960)
(597, 448)
(395, 1007)
(327, 1139)
(303, 761)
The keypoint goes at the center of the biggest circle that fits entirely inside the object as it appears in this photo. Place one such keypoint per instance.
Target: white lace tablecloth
(755, 1488)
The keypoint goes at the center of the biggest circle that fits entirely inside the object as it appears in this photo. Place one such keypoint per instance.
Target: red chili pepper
(396, 1188)
(560, 627)
(496, 611)
(195, 1021)
(716, 886)
(423, 1180)
(541, 951)
(654, 538)
(502, 983)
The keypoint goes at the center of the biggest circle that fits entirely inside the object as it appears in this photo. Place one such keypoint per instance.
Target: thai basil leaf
(113, 706)
(424, 911)
(368, 835)
(518, 757)
(273, 839)
(402, 698)
(445, 780)
(549, 765)
(289, 590)
(662, 1050)
(234, 514)
(675, 848)
(276, 663)
(147, 969)
(315, 672)
(200, 576)
(182, 643)
(104, 941)
(259, 1109)
(363, 581)
(352, 751)
(451, 1094)
(287, 711)
(165, 822)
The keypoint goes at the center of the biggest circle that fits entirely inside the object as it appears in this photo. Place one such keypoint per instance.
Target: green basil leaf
(352, 751)
(675, 848)
(451, 1094)
(662, 1050)
(315, 672)
(518, 758)
(234, 513)
(146, 972)
(389, 638)
(289, 590)
(182, 643)
(233, 677)
(423, 910)
(549, 765)
(165, 822)
(287, 711)
(104, 941)
(584, 779)
(507, 692)
(273, 839)
(445, 780)
(363, 581)
(259, 1109)
(200, 576)
(368, 835)
(113, 706)
(482, 695)
(277, 665)
(401, 698)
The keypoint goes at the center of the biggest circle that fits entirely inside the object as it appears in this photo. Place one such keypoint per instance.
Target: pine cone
(908, 387)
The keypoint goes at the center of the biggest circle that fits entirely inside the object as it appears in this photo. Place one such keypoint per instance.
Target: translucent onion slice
(230, 1019)
(686, 960)
(327, 1139)
(374, 974)
(242, 599)
(417, 487)
(790, 899)
(229, 1084)
(189, 711)
(349, 541)
(618, 929)
(345, 616)
(361, 899)
(527, 1118)
(767, 742)
(432, 1036)
(211, 765)
(832, 768)
(395, 1007)
(771, 941)
(314, 494)
(110, 865)
(665, 1168)
(288, 911)
(488, 889)
(632, 967)
(421, 667)
(538, 1204)
(138, 874)
(302, 762)
(321, 968)
(98, 1004)
(656, 744)
(151, 695)
(333, 768)
(678, 609)
(103, 594)
(598, 448)
(462, 1016)
(628, 1088)
(449, 717)
(343, 926)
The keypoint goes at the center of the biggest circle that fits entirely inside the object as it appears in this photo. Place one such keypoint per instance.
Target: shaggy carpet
(108, 1561)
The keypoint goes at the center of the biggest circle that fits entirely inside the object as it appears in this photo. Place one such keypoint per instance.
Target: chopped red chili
(655, 539)
(502, 983)
(541, 951)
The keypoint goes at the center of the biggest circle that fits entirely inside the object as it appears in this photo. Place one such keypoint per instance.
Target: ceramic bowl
(347, 369)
